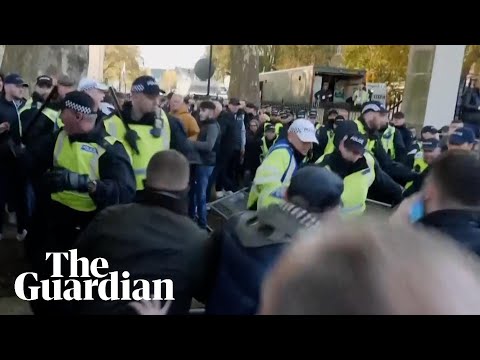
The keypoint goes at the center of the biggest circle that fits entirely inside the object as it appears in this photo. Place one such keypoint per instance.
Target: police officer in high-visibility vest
(268, 140)
(97, 92)
(461, 139)
(427, 133)
(78, 170)
(325, 135)
(358, 169)
(392, 142)
(144, 128)
(46, 122)
(373, 117)
(423, 159)
(274, 174)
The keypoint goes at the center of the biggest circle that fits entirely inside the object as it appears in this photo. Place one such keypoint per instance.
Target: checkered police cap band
(138, 88)
(77, 107)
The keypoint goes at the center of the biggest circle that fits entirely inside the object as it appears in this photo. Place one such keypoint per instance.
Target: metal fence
(348, 111)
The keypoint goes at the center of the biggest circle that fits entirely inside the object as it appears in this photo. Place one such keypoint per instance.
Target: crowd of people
(130, 179)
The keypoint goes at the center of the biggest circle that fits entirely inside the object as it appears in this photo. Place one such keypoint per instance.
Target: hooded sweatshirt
(189, 123)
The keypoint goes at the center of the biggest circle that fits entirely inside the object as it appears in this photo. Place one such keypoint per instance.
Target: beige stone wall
(96, 56)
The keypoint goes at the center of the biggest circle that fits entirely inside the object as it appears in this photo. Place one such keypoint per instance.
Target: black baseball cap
(14, 79)
(321, 187)
(339, 118)
(78, 101)
(429, 129)
(461, 136)
(234, 101)
(374, 106)
(147, 85)
(44, 80)
(301, 114)
(312, 113)
(344, 128)
(332, 111)
(251, 105)
(356, 143)
(269, 127)
(430, 144)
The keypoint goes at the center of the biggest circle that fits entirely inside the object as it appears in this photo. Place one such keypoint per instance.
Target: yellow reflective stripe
(58, 147)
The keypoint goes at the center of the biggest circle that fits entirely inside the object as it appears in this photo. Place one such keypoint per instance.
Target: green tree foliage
(472, 57)
(115, 56)
(275, 57)
(384, 63)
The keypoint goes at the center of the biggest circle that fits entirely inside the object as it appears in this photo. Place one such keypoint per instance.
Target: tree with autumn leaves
(116, 56)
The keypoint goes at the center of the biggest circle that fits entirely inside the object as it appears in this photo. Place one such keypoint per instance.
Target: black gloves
(60, 179)
(131, 137)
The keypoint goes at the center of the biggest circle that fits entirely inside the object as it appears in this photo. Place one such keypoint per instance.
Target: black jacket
(398, 172)
(32, 130)
(117, 180)
(322, 137)
(383, 182)
(406, 135)
(150, 242)
(226, 120)
(462, 225)
(9, 113)
(207, 142)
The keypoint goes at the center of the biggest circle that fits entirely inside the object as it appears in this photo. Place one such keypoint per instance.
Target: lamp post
(209, 70)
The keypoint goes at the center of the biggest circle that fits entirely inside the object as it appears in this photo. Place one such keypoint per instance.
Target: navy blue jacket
(461, 225)
(250, 245)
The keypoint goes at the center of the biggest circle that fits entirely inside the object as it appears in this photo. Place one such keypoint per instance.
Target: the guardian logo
(94, 279)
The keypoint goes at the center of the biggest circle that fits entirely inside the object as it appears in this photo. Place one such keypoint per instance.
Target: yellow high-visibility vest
(81, 158)
(148, 145)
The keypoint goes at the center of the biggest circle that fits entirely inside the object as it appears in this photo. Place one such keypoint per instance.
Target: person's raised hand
(151, 307)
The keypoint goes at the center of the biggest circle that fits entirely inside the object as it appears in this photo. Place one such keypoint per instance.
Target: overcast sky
(170, 56)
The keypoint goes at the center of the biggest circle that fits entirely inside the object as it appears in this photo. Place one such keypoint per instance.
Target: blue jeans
(198, 194)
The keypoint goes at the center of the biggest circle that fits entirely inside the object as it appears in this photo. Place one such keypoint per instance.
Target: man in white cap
(284, 158)
(95, 89)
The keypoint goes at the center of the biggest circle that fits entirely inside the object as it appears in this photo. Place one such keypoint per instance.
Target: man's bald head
(176, 102)
(372, 268)
(218, 108)
(168, 170)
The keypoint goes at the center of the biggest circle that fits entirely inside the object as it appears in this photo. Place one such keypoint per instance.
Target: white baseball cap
(88, 84)
(304, 130)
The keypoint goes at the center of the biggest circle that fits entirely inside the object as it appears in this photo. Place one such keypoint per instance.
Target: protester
(370, 268)
(208, 139)
(398, 120)
(14, 178)
(253, 152)
(251, 242)
(151, 239)
(448, 201)
(180, 110)
(65, 85)
(236, 160)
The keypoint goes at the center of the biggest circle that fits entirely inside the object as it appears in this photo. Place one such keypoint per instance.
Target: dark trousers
(234, 170)
(3, 196)
(223, 180)
(198, 194)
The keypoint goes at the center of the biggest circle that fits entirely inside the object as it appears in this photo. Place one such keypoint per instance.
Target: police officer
(427, 133)
(78, 171)
(36, 124)
(325, 134)
(372, 118)
(461, 139)
(423, 159)
(145, 129)
(244, 241)
(275, 172)
(358, 169)
(392, 142)
(269, 138)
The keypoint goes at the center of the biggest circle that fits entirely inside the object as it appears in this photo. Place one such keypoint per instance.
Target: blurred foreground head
(372, 268)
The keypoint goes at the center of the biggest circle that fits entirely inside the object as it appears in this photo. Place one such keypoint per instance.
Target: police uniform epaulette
(366, 171)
